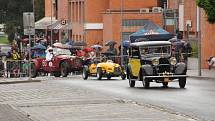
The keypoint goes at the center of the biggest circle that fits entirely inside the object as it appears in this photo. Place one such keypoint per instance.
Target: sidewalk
(207, 74)
(17, 80)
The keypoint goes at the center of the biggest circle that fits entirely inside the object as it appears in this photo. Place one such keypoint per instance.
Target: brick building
(98, 21)
(188, 16)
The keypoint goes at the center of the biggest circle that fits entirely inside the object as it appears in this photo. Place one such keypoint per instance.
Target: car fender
(148, 69)
(37, 64)
(180, 68)
(86, 67)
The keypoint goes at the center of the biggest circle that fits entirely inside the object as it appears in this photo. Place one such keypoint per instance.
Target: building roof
(150, 43)
(45, 22)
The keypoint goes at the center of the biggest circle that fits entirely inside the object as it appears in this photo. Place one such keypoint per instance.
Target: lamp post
(121, 32)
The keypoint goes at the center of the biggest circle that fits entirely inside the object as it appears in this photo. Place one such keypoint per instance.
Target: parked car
(151, 61)
(61, 64)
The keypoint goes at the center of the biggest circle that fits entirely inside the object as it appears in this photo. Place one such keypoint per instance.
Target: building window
(134, 22)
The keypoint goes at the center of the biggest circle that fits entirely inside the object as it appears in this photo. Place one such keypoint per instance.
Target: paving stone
(7, 113)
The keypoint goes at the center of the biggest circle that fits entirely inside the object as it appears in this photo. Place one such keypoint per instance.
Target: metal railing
(14, 68)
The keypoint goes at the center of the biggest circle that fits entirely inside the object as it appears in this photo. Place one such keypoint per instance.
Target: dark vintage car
(151, 61)
(61, 64)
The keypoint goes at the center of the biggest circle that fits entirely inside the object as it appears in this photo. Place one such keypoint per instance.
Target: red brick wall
(208, 40)
(190, 13)
(94, 9)
(62, 9)
(133, 4)
(112, 24)
(48, 8)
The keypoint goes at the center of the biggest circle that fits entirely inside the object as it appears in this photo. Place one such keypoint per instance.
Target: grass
(3, 40)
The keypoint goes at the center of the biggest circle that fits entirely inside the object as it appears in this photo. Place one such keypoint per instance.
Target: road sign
(28, 20)
(29, 31)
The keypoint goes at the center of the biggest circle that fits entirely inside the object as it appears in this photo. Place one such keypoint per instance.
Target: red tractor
(62, 63)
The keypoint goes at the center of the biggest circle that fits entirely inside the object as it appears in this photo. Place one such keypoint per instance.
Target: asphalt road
(196, 100)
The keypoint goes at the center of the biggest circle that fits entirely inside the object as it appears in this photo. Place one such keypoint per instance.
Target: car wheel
(57, 74)
(165, 84)
(131, 82)
(64, 69)
(33, 71)
(99, 73)
(182, 82)
(123, 76)
(85, 73)
(109, 76)
(146, 82)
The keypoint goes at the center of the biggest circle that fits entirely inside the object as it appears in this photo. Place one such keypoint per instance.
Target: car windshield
(60, 51)
(155, 51)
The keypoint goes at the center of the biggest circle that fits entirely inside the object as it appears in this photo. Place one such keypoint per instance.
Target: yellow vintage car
(106, 69)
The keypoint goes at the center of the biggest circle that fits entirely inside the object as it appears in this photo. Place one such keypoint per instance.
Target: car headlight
(173, 61)
(155, 62)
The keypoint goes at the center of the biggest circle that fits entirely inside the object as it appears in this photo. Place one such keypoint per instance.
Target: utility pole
(121, 31)
(199, 40)
(69, 19)
(51, 21)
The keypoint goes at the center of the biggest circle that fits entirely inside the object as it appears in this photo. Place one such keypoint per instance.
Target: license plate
(166, 80)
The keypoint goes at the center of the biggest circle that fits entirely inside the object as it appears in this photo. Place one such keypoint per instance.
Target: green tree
(39, 8)
(209, 7)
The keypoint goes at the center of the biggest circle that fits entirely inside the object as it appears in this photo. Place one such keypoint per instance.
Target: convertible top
(150, 43)
(150, 32)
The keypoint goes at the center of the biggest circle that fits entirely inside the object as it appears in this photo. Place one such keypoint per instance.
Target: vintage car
(61, 64)
(104, 68)
(152, 61)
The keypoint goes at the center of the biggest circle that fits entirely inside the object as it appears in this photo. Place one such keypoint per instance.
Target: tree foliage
(14, 12)
(209, 7)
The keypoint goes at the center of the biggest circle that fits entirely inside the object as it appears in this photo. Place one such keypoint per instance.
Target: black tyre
(99, 73)
(145, 81)
(57, 74)
(85, 73)
(64, 69)
(109, 76)
(131, 82)
(123, 76)
(182, 82)
(165, 84)
(34, 72)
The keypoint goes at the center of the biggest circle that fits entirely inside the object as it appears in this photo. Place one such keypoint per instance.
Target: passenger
(49, 54)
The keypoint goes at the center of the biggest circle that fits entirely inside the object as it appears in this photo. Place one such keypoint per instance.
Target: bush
(209, 7)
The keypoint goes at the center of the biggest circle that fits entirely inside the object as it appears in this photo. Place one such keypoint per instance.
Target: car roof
(150, 43)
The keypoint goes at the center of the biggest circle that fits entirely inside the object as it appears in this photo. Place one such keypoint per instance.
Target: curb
(19, 81)
(202, 77)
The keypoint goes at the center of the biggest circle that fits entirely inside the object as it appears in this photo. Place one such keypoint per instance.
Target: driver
(49, 54)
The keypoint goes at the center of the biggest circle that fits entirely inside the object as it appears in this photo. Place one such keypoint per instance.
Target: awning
(45, 22)
(57, 26)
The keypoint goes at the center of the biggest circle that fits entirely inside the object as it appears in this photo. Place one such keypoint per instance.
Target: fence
(14, 68)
